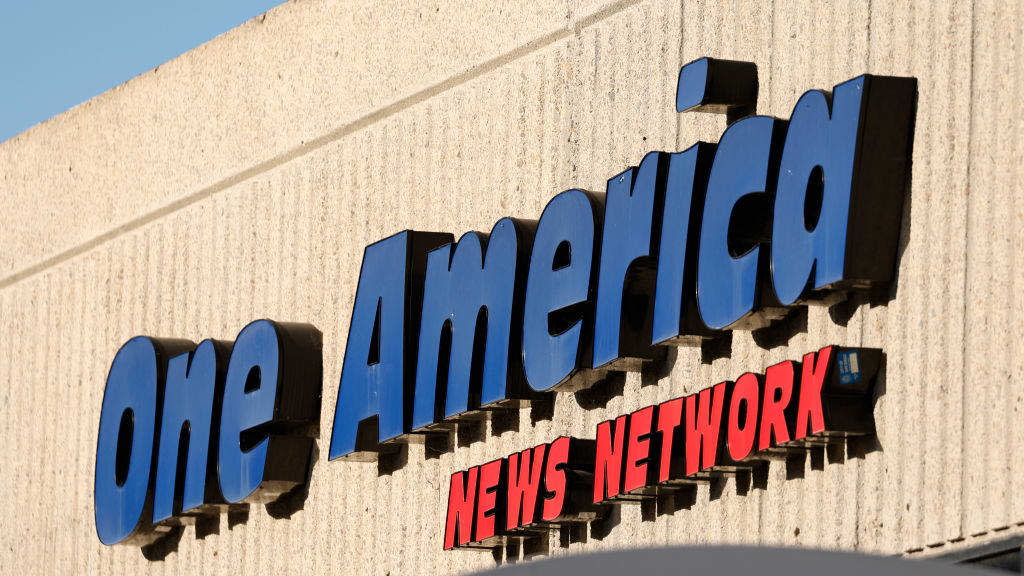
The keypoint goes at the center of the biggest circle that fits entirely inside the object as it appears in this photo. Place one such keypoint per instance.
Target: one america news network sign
(684, 247)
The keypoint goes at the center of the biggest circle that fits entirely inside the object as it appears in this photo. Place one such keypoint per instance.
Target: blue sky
(57, 54)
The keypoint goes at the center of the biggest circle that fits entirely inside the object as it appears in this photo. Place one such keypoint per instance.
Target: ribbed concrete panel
(268, 91)
(568, 98)
(923, 338)
(7, 413)
(995, 397)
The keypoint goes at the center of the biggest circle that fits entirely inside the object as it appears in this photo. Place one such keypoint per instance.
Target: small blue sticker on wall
(849, 367)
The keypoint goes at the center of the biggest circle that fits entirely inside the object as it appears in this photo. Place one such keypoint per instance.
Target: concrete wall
(243, 179)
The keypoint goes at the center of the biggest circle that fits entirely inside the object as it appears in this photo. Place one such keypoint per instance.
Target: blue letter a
(374, 398)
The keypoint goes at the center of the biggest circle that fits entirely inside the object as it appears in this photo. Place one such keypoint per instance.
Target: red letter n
(608, 468)
(461, 498)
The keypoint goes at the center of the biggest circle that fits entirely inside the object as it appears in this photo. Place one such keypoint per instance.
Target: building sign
(683, 247)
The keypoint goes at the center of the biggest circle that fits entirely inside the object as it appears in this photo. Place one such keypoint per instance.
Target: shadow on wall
(209, 524)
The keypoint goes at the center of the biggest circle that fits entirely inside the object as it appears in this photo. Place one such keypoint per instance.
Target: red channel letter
(461, 497)
(608, 466)
(554, 478)
(741, 438)
(669, 416)
(703, 424)
(523, 483)
(638, 448)
(490, 478)
(778, 379)
(812, 378)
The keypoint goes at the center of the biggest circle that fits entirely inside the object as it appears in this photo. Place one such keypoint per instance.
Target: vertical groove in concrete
(1012, 140)
(993, 244)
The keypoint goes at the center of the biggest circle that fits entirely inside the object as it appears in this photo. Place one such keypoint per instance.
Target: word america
(680, 248)
(655, 449)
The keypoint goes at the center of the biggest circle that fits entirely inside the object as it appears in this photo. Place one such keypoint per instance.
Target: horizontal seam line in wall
(321, 141)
